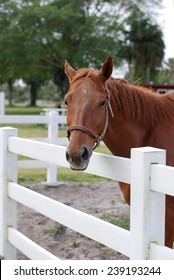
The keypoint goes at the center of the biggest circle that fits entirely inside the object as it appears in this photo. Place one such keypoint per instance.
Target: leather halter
(98, 138)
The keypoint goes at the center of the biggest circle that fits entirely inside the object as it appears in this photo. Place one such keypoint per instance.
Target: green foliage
(49, 92)
(37, 36)
(143, 46)
(165, 74)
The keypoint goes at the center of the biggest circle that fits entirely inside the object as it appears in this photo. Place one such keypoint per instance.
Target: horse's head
(87, 103)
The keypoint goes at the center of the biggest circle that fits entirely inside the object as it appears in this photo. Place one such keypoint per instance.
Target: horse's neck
(124, 130)
(122, 135)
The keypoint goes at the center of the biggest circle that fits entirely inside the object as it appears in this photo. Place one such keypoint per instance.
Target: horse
(124, 116)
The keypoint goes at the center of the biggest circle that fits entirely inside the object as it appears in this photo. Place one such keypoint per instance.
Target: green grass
(23, 110)
(122, 221)
(39, 131)
(26, 130)
(28, 176)
(64, 174)
(57, 229)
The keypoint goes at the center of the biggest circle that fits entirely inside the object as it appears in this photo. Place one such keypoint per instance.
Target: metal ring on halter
(98, 138)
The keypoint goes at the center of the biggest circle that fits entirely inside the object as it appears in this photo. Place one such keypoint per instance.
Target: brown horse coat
(141, 118)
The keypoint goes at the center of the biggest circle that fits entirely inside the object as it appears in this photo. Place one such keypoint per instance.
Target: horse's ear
(69, 70)
(106, 70)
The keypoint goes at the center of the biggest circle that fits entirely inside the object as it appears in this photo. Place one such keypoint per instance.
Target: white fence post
(2, 103)
(147, 207)
(52, 136)
(8, 172)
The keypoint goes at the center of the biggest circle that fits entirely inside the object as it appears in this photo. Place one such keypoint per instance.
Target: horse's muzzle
(78, 160)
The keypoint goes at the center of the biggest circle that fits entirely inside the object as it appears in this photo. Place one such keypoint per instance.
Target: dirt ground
(102, 199)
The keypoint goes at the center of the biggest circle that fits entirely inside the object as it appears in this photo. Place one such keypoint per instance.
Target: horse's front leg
(169, 224)
(125, 189)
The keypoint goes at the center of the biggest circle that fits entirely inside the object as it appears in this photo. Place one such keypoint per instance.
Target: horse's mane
(134, 102)
(142, 104)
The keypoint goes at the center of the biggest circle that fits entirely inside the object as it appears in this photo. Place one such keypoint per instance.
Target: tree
(143, 45)
(38, 35)
(41, 34)
(166, 72)
(170, 70)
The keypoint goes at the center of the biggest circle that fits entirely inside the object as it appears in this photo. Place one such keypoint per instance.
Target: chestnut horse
(124, 116)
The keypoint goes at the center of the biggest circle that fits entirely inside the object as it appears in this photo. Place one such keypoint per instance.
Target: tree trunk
(10, 95)
(33, 94)
(148, 74)
(61, 81)
(137, 72)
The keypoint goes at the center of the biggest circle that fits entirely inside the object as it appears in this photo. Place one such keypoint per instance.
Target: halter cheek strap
(98, 138)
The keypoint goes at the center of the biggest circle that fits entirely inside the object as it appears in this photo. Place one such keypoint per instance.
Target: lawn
(23, 110)
(32, 130)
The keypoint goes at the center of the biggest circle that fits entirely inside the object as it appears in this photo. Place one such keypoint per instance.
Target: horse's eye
(102, 103)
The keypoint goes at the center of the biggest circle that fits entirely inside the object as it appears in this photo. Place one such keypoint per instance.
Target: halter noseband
(98, 138)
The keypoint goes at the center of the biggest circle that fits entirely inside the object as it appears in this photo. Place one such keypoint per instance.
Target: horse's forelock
(86, 73)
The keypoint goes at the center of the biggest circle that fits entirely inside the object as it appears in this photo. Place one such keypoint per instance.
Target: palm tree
(144, 45)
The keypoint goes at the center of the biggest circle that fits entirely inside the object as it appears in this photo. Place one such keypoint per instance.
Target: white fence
(54, 119)
(146, 172)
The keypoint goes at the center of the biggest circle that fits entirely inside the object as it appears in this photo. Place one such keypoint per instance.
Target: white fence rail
(145, 240)
(54, 119)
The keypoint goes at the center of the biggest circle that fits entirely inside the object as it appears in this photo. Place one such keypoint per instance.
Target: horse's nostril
(79, 158)
(85, 154)
(68, 157)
